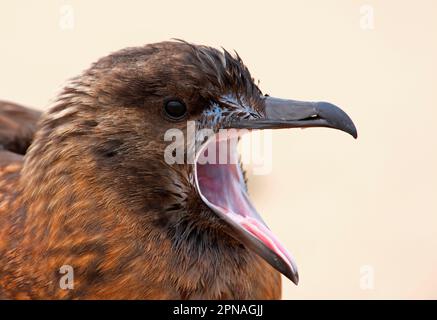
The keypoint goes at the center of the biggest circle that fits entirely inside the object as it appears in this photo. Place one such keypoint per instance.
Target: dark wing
(17, 126)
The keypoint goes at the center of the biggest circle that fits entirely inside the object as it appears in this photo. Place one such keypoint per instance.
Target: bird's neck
(207, 263)
(111, 246)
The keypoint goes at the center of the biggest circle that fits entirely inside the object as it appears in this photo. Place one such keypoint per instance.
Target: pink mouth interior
(223, 189)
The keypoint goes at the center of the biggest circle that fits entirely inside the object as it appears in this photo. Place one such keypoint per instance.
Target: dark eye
(175, 109)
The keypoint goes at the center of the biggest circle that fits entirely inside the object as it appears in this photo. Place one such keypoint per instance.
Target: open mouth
(222, 187)
(220, 182)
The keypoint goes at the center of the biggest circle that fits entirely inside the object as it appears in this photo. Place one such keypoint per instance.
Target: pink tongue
(223, 186)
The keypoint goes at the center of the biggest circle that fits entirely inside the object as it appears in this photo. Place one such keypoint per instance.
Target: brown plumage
(93, 190)
(17, 126)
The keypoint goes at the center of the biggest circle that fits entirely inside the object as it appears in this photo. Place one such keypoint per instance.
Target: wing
(17, 126)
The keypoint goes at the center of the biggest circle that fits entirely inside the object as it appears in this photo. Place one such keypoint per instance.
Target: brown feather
(17, 126)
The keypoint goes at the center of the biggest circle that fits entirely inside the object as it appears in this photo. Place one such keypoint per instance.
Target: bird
(86, 183)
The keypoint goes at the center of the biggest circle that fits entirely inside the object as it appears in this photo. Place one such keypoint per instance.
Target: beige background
(338, 204)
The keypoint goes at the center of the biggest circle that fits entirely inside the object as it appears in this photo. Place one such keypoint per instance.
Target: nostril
(312, 117)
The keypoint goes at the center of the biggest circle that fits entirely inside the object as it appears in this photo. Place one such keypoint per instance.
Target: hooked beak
(283, 113)
(222, 186)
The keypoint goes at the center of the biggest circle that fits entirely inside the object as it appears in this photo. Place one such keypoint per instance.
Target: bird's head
(114, 122)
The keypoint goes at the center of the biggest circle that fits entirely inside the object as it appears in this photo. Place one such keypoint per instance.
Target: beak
(283, 113)
(222, 186)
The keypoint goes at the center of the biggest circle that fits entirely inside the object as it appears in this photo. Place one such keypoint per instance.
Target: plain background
(353, 212)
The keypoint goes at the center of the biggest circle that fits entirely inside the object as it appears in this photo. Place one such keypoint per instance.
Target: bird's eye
(175, 109)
